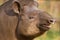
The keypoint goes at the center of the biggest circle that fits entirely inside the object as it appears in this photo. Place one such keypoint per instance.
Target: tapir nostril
(51, 20)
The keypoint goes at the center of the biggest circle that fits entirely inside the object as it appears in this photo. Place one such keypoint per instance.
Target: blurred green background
(53, 8)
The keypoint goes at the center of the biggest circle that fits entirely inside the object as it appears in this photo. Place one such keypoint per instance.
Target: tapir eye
(31, 17)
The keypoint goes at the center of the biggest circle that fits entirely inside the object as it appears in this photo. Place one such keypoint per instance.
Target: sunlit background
(53, 8)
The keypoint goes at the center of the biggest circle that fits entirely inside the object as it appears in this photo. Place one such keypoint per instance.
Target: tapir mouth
(44, 27)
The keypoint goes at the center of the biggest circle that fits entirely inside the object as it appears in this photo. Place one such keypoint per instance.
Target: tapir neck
(23, 38)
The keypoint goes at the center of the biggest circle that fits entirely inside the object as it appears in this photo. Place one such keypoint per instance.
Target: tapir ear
(36, 3)
(16, 7)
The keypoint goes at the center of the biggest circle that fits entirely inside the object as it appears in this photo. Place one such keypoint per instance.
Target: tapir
(23, 20)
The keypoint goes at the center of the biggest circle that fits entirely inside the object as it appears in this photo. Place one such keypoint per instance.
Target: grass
(50, 35)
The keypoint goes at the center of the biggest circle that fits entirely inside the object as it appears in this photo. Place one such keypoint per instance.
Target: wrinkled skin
(22, 20)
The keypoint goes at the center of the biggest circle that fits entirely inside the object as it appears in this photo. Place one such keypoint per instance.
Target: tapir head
(31, 20)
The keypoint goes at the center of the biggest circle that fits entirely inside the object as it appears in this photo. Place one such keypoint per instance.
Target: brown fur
(22, 20)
